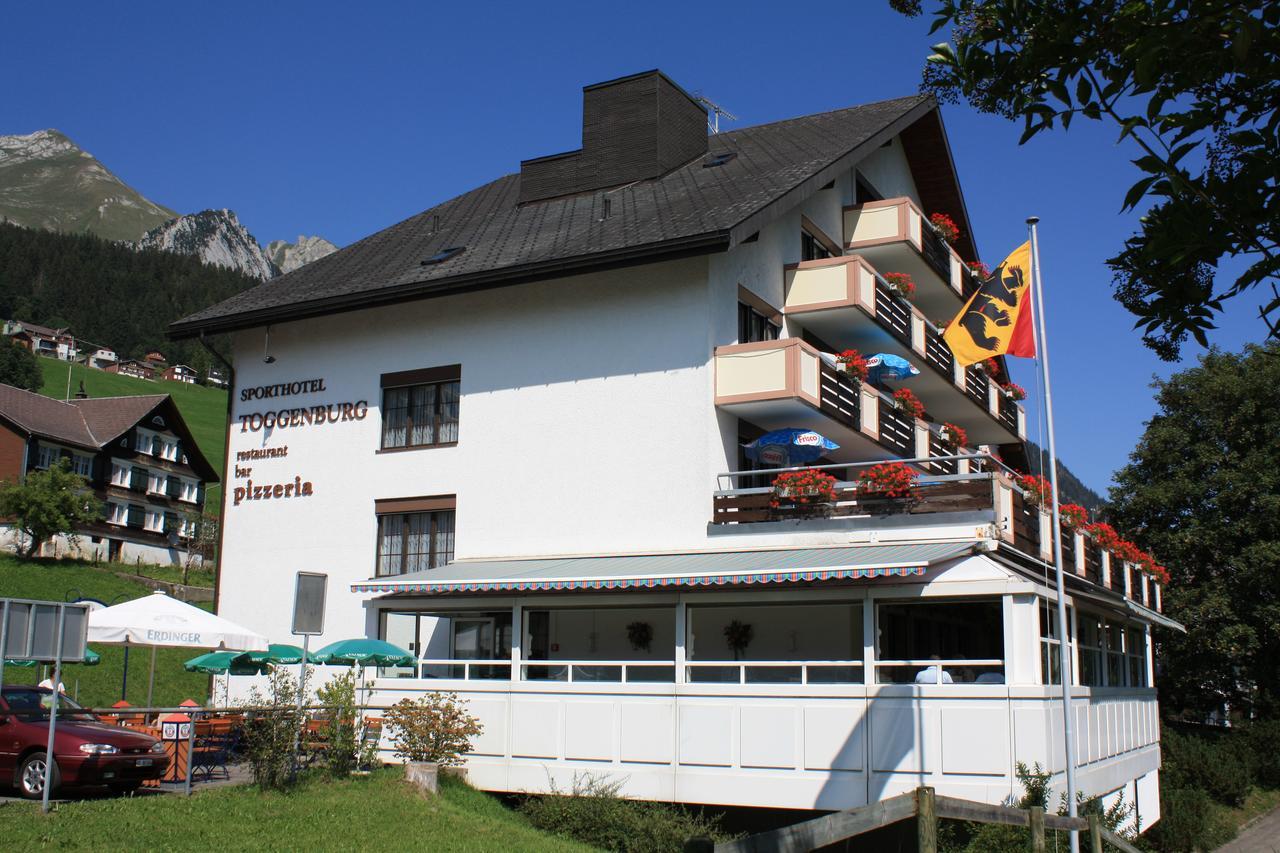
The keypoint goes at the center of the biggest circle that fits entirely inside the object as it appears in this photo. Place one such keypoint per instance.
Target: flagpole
(1064, 645)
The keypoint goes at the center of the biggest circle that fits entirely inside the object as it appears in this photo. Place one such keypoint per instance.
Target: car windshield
(31, 704)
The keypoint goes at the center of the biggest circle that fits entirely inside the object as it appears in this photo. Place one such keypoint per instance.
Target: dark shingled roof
(690, 210)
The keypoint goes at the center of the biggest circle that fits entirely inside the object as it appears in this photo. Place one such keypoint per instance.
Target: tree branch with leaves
(48, 503)
(1195, 84)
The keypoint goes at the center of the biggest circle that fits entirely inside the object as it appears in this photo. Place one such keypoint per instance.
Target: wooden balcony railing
(936, 252)
(1008, 414)
(1092, 562)
(969, 493)
(936, 352)
(1026, 525)
(897, 432)
(893, 313)
(839, 396)
(944, 464)
(976, 384)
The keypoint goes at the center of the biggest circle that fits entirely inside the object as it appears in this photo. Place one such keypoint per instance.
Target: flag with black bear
(997, 318)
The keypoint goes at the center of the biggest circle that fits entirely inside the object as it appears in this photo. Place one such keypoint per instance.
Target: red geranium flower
(900, 283)
(890, 479)
(946, 227)
(907, 403)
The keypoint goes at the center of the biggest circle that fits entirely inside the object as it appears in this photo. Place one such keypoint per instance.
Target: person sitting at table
(929, 675)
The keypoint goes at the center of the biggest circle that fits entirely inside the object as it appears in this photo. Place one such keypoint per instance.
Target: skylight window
(443, 255)
(720, 159)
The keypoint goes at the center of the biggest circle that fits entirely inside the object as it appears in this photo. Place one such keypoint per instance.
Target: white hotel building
(510, 431)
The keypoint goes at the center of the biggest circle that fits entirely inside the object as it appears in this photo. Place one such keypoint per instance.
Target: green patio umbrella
(278, 653)
(224, 662)
(91, 658)
(362, 651)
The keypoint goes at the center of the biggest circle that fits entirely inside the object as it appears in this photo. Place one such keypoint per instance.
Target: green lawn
(99, 686)
(204, 409)
(375, 812)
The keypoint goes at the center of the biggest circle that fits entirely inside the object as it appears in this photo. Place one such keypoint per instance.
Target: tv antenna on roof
(715, 111)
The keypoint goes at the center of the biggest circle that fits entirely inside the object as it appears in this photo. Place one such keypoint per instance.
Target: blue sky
(339, 119)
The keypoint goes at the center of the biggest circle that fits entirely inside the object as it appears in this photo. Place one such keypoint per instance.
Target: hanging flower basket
(953, 436)
(945, 226)
(991, 367)
(901, 284)
(979, 269)
(851, 362)
(887, 480)
(1036, 488)
(1014, 391)
(908, 403)
(803, 488)
(1073, 516)
(1103, 535)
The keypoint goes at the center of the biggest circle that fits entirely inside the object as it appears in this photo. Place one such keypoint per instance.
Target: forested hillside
(108, 294)
(1073, 489)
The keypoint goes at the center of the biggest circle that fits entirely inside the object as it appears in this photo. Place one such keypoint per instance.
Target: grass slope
(204, 409)
(99, 686)
(375, 812)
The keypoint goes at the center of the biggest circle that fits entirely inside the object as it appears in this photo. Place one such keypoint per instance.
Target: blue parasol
(883, 365)
(783, 448)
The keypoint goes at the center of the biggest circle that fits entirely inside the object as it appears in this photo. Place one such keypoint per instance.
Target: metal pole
(53, 713)
(191, 752)
(124, 679)
(4, 640)
(1064, 657)
(151, 685)
(302, 682)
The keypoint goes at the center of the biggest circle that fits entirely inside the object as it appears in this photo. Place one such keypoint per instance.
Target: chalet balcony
(895, 236)
(848, 304)
(786, 383)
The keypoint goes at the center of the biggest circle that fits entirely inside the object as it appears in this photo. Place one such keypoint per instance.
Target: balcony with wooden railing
(896, 236)
(848, 304)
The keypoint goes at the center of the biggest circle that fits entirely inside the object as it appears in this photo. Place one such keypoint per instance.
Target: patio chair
(210, 756)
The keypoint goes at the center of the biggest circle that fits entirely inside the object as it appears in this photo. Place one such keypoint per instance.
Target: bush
(1218, 763)
(1189, 821)
(595, 814)
(435, 728)
(1263, 740)
(269, 734)
(339, 699)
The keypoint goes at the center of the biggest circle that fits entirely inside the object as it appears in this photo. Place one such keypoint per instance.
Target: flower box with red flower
(807, 487)
(852, 362)
(1103, 535)
(900, 283)
(945, 226)
(1014, 391)
(1036, 488)
(1073, 516)
(887, 480)
(907, 403)
(979, 270)
(989, 366)
(954, 437)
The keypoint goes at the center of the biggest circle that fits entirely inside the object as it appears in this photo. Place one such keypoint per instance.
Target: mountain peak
(49, 182)
(214, 236)
(289, 256)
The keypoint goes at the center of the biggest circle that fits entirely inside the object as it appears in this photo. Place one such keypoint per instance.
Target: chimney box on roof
(633, 129)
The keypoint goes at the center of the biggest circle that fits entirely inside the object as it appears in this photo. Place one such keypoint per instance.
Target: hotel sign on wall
(286, 417)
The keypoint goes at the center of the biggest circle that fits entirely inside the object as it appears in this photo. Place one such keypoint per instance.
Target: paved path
(1262, 837)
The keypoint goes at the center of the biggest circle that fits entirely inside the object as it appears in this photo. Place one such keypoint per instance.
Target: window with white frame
(1112, 654)
(1135, 653)
(156, 482)
(169, 450)
(82, 464)
(786, 643)
(1050, 642)
(946, 641)
(142, 441)
(190, 491)
(154, 521)
(46, 456)
(120, 475)
(117, 513)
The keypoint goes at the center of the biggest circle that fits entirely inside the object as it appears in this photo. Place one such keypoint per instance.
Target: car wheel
(31, 776)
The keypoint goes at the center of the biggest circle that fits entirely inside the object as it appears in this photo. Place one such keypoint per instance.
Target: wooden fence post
(926, 821)
(1036, 815)
(1095, 833)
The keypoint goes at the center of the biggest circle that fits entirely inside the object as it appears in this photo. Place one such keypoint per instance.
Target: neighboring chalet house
(102, 358)
(180, 373)
(156, 360)
(136, 453)
(216, 378)
(42, 340)
(511, 430)
(132, 367)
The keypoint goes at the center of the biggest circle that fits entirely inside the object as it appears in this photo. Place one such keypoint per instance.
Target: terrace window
(632, 644)
(812, 248)
(775, 643)
(940, 642)
(420, 407)
(414, 534)
(1050, 661)
(450, 644)
(46, 456)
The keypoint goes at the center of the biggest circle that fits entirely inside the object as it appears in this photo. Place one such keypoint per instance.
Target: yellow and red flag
(997, 318)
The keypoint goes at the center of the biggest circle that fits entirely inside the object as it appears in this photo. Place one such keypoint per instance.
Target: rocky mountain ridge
(50, 183)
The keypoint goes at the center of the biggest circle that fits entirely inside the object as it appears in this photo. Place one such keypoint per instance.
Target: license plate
(144, 762)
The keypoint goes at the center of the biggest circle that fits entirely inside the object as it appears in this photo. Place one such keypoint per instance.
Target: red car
(87, 752)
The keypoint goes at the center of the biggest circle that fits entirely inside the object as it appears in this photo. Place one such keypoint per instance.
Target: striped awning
(719, 568)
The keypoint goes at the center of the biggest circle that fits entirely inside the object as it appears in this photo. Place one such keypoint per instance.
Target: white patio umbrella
(157, 620)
